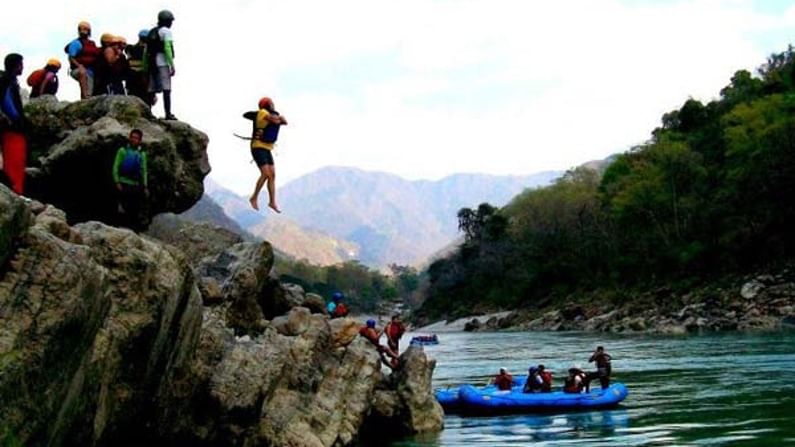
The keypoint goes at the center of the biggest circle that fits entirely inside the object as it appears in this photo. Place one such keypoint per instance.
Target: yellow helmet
(54, 63)
(107, 38)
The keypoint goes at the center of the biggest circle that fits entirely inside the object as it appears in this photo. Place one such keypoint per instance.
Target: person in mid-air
(266, 124)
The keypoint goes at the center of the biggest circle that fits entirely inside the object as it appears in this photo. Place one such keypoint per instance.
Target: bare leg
(82, 76)
(270, 172)
(260, 181)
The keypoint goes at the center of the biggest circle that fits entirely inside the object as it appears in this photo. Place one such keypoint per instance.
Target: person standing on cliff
(83, 54)
(132, 180)
(13, 124)
(159, 59)
(603, 369)
(372, 334)
(267, 122)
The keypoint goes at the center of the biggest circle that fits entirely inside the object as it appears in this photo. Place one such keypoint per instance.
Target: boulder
(751, 289)
(97, 325)
(73, 146)
(404, 403)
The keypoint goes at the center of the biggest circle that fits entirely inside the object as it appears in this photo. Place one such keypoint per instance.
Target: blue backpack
(131, 164)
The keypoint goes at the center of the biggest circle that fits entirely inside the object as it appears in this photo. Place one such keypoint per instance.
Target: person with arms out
(14, 124)
(372, 334)
(44, 81)
(503, 380)
(132, 180)
(265, 132)
(159, 59)
(394, 332)
(83, 54)
(603, 369)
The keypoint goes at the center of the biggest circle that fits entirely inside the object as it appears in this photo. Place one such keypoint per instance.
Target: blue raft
(489, 400)
(450, 401)
(423, 340)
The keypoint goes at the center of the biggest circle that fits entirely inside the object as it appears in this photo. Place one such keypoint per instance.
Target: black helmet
(165, 16)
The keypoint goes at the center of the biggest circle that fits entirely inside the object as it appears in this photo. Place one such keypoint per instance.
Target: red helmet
(265, 103)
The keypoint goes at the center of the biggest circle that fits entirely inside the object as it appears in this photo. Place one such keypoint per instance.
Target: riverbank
(762, 301)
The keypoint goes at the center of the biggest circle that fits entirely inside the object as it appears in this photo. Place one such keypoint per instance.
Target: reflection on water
(735, 389)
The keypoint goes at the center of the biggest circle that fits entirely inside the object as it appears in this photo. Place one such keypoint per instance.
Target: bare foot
(274, 207)
(253, 202)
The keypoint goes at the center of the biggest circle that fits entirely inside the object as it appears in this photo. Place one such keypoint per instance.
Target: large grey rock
(97, 323)
(73, 146)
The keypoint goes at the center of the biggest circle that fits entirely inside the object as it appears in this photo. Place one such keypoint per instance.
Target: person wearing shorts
(265, 129)
(160, 59)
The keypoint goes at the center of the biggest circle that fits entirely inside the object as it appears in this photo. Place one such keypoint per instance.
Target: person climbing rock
(372, 334)
(394, 332)
(336, 308)
(13, 124)
(83, 54)
(159, 59)
(44, 81)
(265, 132)
(131, 178)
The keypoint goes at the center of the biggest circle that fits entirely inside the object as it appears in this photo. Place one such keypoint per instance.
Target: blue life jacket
(131, 164)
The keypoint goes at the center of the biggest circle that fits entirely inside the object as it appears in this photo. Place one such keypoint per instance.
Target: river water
(705, 390)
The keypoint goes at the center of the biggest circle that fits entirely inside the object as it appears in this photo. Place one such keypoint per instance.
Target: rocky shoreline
(760, 302)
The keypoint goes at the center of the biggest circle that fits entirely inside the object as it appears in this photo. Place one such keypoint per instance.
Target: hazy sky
(427, 88)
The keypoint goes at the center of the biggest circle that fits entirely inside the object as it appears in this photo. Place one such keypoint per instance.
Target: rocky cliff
(73, 145)
(108, 337)
(111, 338)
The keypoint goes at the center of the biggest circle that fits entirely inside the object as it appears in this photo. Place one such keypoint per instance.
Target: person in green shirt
(132, 181)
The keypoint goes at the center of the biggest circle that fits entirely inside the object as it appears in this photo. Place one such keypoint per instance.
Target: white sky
(424, 88)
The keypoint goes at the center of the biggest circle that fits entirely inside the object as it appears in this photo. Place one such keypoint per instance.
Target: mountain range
(339, 213)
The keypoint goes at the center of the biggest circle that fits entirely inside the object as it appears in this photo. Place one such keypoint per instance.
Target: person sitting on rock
(503, 380)
(394, 331)
(372, 334)
(131, 179)
(83, 54)
(603, 369)
(336, 308)
(575, 382)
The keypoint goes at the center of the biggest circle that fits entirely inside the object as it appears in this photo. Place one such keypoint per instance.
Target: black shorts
(262, 157)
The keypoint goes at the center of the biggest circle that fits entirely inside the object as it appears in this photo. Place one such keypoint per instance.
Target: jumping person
(83, 54)
(264, 134)
(13, 125)
(159, 59)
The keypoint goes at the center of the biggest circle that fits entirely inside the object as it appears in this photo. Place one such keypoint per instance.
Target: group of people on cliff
(540, 380)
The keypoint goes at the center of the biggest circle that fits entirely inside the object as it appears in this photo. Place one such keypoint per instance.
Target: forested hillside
(711, 193)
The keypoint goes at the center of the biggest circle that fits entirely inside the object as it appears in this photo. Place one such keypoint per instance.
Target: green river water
(701, 390)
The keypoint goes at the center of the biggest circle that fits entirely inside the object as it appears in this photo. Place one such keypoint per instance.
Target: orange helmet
(265, 102)
(55, 63)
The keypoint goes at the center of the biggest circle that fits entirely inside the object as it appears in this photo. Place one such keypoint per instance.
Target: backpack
(131, 164)
(35, 78)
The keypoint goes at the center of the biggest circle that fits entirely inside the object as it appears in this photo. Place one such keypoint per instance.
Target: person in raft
(265, 132)
(13, 124)
(503, 380)
(603, 369)
(372, 334)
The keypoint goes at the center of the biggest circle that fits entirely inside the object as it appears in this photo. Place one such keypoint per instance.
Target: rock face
(73, 146)
(105, 341)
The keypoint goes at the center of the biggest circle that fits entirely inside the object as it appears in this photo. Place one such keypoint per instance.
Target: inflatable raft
(425, 340)
(489, 400)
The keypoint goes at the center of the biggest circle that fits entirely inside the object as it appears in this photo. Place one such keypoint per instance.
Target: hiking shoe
(171, 118)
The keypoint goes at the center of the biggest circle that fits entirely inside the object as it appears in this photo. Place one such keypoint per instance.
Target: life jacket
(89, 53)
(546, 377)
(572, 385)
(331, 307)
(155, 45)
(395, 331)
(340, 310)
(35, 78)
(269, 134)
(503, 382)
(130, 167)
